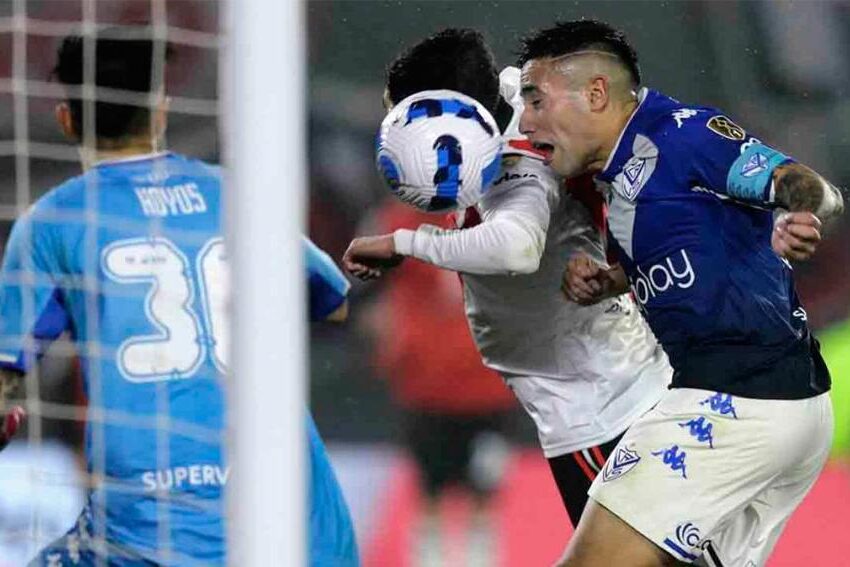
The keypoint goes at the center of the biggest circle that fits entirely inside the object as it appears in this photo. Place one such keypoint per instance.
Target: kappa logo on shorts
(620, 463)
(687, 536)
(721, 404)
(674, 458)
(701, 429)
(725, 127)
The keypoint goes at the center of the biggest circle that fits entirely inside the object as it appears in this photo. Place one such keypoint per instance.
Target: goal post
(264, 126)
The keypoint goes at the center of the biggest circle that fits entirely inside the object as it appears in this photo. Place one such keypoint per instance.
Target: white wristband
(403, 241)
(831, 202)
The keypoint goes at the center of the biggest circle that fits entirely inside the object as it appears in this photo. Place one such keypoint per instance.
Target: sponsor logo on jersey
(755, 165)
(513, 176)
(620, 463)
(683, 114)
(177, 478)
(725, 127)
(686, 536)
(673, 271)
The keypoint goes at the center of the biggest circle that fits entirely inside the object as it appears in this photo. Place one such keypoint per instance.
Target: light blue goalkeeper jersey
(129, 259)
(331, 532)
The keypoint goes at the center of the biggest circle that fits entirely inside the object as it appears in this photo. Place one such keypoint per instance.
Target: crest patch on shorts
(620, 463)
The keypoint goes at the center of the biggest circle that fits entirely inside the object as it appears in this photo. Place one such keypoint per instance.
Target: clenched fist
(368, 256)
(586, 281)
(796, 235)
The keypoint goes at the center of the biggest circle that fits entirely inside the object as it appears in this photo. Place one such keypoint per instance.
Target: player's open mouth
(546, 149)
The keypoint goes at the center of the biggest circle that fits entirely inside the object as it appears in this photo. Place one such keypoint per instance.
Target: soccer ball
(439, 150)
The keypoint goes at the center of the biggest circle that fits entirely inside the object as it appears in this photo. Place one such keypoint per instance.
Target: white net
(126, 410)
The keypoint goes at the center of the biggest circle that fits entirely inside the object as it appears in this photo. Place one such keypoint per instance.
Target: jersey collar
(132, 159)
(648, 103)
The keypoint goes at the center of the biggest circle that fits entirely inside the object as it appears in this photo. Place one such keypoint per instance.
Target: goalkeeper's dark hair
(121, 63)
(580, 35)
(457, 59)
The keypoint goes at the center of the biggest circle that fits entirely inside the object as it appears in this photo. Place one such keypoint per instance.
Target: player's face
(557, 117)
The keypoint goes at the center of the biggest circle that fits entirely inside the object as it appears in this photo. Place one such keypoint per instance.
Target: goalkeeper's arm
(10, 382)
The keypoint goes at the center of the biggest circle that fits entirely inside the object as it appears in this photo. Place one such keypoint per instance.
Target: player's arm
(810, 200)
(586, 281)
(327, 286)
(727, 160)
(32, 312)
(10, 384)
(509, 240)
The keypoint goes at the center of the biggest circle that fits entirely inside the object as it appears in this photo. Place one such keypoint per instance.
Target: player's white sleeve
(512, 234)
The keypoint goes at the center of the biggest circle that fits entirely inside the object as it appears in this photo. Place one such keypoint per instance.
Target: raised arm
(509, 240)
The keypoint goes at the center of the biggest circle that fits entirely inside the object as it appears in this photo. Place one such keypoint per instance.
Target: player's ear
(66, 121)
(598, 93)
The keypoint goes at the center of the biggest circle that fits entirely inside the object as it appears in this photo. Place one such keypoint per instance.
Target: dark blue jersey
(690, 214)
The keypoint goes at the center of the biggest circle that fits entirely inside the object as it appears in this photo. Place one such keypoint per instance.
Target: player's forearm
(797, 188)
(498, 247)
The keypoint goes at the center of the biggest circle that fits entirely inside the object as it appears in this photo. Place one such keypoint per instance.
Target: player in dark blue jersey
(715, 470)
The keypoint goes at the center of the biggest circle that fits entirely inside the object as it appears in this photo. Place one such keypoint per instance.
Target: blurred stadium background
(779, 68)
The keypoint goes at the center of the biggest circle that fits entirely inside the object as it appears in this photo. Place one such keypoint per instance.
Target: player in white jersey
(583, 374)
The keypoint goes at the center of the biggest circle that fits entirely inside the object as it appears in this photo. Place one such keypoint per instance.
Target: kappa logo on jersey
(687, 536)
(622, 462)
(638, 169)
(755, 165)
(683, 114)
(725, 127)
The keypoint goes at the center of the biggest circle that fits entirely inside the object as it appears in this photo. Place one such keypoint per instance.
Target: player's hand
(11, 423)
(796, 235)
(367, 257)
(585, 280)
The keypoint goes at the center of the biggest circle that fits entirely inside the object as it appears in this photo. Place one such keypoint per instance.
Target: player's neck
(617, 126)
(91, 157)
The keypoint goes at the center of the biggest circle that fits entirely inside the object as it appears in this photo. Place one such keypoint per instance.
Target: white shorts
(714, 476)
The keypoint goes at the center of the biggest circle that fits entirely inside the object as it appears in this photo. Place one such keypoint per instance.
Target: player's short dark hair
(122, 64)
(457, 59)
(579, 35)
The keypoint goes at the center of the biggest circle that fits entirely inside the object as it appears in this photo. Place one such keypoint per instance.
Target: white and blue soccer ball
(439, 150)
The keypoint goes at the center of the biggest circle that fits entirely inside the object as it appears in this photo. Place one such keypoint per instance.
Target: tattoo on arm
(799, 189)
